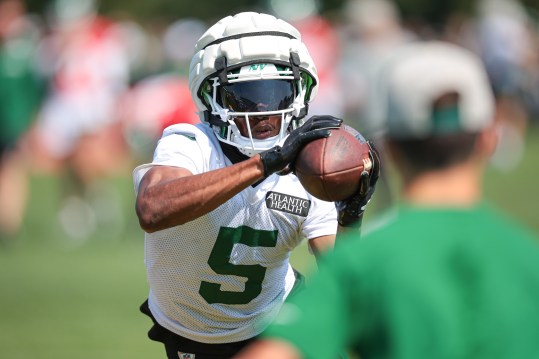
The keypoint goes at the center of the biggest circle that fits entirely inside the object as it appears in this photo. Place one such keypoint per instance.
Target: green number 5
(219, 261)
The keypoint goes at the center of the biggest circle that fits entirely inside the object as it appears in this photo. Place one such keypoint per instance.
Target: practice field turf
(66, 299)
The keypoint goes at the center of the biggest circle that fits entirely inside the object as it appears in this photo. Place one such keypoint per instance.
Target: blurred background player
(506, 40)
(77, 134)
(21, 91)
(372, 30)
(219, 204)
(155, 101)
(322, 39)
(151, 105)
(444, 274)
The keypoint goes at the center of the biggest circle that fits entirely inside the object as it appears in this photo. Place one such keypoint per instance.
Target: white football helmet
(251, 65)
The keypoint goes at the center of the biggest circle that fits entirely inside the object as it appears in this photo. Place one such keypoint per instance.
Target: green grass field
(63, 299)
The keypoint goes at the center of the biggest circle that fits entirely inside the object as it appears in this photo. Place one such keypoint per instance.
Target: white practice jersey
(217, 278)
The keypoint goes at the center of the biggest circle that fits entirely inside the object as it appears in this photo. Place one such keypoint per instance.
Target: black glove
(350, 211)
(282, 158)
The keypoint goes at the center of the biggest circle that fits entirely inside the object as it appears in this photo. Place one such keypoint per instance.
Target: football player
(220, 205)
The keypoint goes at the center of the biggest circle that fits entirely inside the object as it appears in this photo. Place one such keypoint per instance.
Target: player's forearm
(321, 245)
(353, 229)
(180, 200)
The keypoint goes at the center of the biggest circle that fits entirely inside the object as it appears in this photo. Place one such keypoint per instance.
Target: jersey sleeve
(179, 146)
(322, 220)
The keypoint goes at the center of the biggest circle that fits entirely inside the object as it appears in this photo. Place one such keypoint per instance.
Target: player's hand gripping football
(281, 158)
(350, 211)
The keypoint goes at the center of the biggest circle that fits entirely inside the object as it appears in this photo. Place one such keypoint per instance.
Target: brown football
(330, 168)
